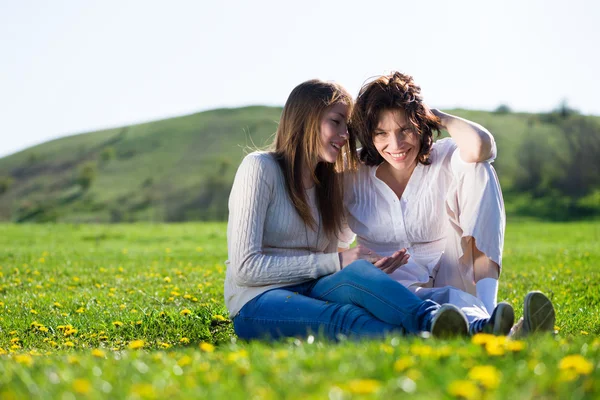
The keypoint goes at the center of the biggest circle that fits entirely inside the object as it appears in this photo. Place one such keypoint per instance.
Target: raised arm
(253, 189)
(475, 143)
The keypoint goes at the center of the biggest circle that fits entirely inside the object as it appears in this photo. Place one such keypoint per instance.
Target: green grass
(63, 287)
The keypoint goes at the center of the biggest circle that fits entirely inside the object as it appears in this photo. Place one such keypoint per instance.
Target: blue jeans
(360, 301)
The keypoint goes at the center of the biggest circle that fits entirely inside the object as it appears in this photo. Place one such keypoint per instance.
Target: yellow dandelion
(495, 348)
(221, 318)
(421, 350)
(24, 359)
(486, 375)
(136, 344)
(185, 312)
(403, 364)
(33, 311)
(123, 306)
(464, 389)
(117, 324)
(585, 333)
(185, 360)
(187, 296)
(12, 333)
(482, 338)
(207, 347)
(515, 345)
(15, 340)
(82, 386)
(68, 343)
(70, 331)
(184, 340)
(577, 363)
(98, 353)
(167, 279)
(57, 304)
(162, 314)
(363, 386)
(143, 391)
(165, 345)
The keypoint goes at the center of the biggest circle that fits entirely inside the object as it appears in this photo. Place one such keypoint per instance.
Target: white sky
(73, 66)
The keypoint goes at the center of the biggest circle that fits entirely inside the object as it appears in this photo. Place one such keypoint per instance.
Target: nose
(396, 140)
(344, 133)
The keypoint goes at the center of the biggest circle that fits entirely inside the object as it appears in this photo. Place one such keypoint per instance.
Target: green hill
(181, 168)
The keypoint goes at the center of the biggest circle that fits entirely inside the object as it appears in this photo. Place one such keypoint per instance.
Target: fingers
(394, 262)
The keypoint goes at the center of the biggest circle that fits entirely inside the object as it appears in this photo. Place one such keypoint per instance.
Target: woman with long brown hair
(441, 200)
(285, 276)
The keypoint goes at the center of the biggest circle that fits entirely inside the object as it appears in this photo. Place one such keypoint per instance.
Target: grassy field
(136, 311)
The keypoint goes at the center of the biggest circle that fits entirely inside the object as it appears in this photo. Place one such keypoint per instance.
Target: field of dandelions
(137, 312)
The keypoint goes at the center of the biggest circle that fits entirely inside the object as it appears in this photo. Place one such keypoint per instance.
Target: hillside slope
(181, 168)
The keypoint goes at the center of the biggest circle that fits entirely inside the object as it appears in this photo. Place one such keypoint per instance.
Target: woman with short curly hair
(440, 200)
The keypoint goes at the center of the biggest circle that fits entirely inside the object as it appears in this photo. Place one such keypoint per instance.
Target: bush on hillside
(5, 184)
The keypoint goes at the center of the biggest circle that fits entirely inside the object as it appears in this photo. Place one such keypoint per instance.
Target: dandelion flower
(185, 312)
(577, 363)
(207, 347)
(464, 389)
(136, 344)
(117, 324)
(403, 364)
(82, 386)
(363, 386)
(98, 353)
(184, 340)
(24, 359)
(486, 375)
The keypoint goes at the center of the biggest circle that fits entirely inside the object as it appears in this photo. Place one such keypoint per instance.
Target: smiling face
(333, 132)
(395, 140)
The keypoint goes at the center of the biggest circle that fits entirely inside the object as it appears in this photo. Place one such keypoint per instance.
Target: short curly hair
(395, 91)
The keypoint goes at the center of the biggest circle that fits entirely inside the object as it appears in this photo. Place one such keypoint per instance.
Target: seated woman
(285, 276)
(441, 201)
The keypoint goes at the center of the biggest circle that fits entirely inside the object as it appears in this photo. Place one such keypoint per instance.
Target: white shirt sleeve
(253, 189)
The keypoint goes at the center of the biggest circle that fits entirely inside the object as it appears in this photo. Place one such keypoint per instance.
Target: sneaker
(449, 321)
(499, 323)
(538, 316)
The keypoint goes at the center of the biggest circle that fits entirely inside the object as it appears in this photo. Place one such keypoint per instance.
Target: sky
(68, 67)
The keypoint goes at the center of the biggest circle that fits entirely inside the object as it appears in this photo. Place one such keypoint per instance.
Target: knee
(481, 174)
(359, 269)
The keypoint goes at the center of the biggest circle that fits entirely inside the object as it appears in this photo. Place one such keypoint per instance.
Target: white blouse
(417, 221)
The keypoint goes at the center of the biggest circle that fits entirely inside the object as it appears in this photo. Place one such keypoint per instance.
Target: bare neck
(396, 179)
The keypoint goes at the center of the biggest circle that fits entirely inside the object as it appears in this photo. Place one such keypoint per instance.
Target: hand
(359, 252)
(437, 113)
(392, 263)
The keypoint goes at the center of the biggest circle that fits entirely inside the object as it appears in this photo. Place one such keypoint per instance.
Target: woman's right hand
(386, 264)
(359, 252)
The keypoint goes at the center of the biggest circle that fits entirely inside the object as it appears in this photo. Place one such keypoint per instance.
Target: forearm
(474, 142)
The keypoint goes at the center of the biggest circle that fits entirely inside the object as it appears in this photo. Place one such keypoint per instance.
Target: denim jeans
(360, 301)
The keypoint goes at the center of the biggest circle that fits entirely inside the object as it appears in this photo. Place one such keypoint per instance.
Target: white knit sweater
(269, 246)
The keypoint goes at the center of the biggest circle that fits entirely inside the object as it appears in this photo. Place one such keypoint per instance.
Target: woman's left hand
(392, 263)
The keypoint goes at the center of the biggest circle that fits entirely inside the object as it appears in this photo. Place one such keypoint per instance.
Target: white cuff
(487, 292)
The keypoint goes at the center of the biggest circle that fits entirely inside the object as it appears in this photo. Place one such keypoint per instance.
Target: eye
(335, 122)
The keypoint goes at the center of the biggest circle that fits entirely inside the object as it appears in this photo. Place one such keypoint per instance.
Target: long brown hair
(297, 144)
(391, 92)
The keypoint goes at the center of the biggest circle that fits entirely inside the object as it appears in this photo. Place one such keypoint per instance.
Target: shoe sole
(448, 322)
(504, 319)
(538, 312)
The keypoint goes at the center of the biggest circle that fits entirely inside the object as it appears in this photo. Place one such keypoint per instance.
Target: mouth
(337, 146)
(399, 156)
